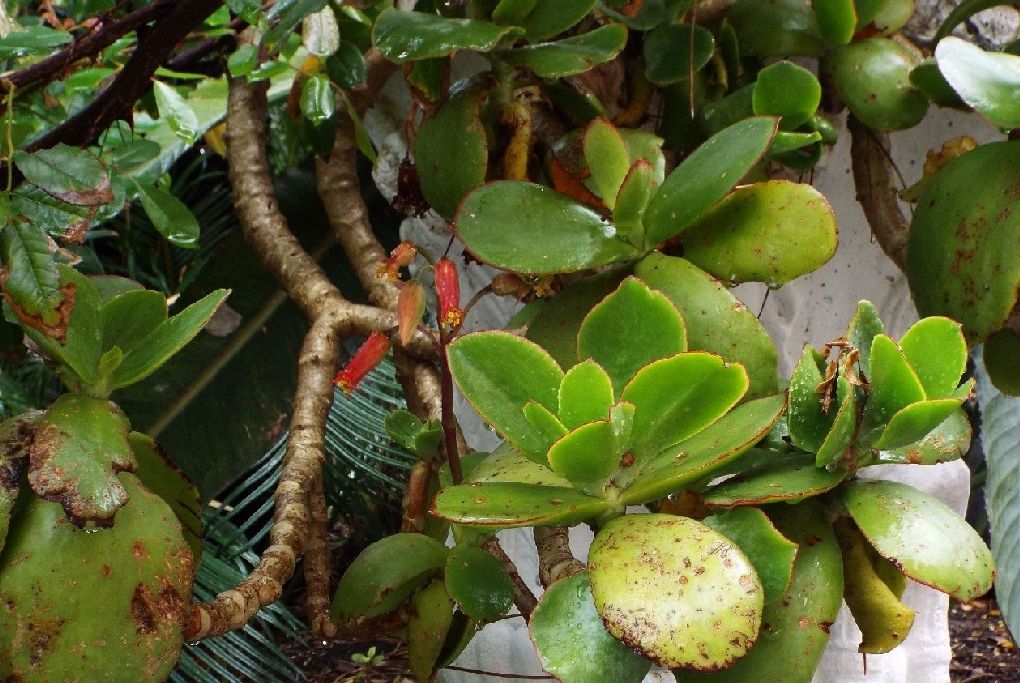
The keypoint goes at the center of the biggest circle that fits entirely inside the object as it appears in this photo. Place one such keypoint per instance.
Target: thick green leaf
(67, 173)
(586, 456)
(844, 426)
(924, 538)
(429, 622)
(697, 457)
(867, 10)
(510, 504)
(873, 77)
(347, 67)
(716, 320)
(712, 612)
(80, 446)
(585, 395)
(605, 153)
(677, 397)
(775, 478)
(766, 232)
(318, 101)
(915, 421)
(409, 36)
(33, 282)
(128, 318)
(573, 55)
(675, 52)
(545, 423)
(837, 20)
(478, 583)
(451, 152)
(776, 27)
(512, 12)
(385, 573)
(1002, 361)
(965, 225)
(572, 641)
(498, 373)
(949, 441)
(33, 40)
(161, 476)
(582, 238)
(1000, 432)
(987, 81)
(548, 19)
(169, 215)
(506, 464)
(862, 330)
(771, 553)
(927, 78)
(894, 384)
(787, 90)
(167, 339)
(629, 329)
(706, 176)
(807, 421)
(555, 322)
(795, 629)
(176, 111)
(632, 200)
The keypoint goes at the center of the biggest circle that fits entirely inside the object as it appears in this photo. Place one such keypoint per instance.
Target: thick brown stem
(555, 561)
(875, 179)
(318, 565)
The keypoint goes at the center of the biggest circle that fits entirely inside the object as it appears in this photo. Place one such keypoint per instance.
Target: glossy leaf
(67, 173)
(429, 621)
(506, 464)
(927, 78)
(767, 232)
(508, 504)
(512, 12)
(787, 90)
(837, 20)
(159, 474)
(33, 282)
(546, 424)
(873, 77)
(548, 19)
(582, 239)
(605, 154)
(1002, 360)
(776, 28)
(884, 620)
(166, 339)
(632, 200)
(965, 224)
(176, 111)
(706, 176)
(771, 553)
(924, 538)
(169, 215)
(385, 574)
(948, 441)
(585, 394)
(573, 643)
(795, 629)
(586, 456)
(651, 13)
(862, 330)
(716, 321)
(675, 52)
(677, 397)
(478, 583)
(712, 612)
(573, 55)
(451, 152)
(696, 458)
(844, 426)
(894, 384)
(129, 317)
(915, 421)
(409, 36)
(775, 478)
(867, 10)
(807, 421)
(987, 81)
(498, 373)
(629, 329)
(318, 101)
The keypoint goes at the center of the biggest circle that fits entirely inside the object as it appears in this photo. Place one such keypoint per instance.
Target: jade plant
(101, 533)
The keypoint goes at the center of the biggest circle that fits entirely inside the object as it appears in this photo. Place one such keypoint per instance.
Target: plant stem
(449, 422)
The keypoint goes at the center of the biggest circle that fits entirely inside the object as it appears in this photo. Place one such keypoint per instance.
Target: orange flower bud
(401, 257)
(410, 309)
(448, 291)
(368, 356)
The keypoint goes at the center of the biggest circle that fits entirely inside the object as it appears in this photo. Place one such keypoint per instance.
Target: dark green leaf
(409, 36)
(775, 478)
(787, 90)
(32, 40)
(927, 78)
(318, 101)
(161, 476)
(675, 52)
(1002, 361)
(32, 278)
(129, 318)
(478, 583)
(451, 152)
(287, 16)
(347, 66)
(170, 216)
(548, 19)
(771, 553)
(176, 111)
(776, 27)
(573, 55)
(68, 173)
(949, 441)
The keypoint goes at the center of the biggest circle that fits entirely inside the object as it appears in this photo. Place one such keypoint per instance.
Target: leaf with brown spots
(81, 445)
(67, 173)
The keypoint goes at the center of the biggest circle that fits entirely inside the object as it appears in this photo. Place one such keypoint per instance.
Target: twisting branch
(875, 180)
(555, 561)
(317, 563)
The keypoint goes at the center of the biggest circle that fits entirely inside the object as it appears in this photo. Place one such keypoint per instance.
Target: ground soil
(983, 652)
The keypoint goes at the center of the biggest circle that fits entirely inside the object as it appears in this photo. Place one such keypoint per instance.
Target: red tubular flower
(368, 356)
(410, 309)
(448, 292)
(401, 257)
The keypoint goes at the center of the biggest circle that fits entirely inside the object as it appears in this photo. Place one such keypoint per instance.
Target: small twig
(494, 674)
(448, 421)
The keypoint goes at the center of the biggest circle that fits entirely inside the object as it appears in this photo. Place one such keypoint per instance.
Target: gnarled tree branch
(555, 561)
(876, 189)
